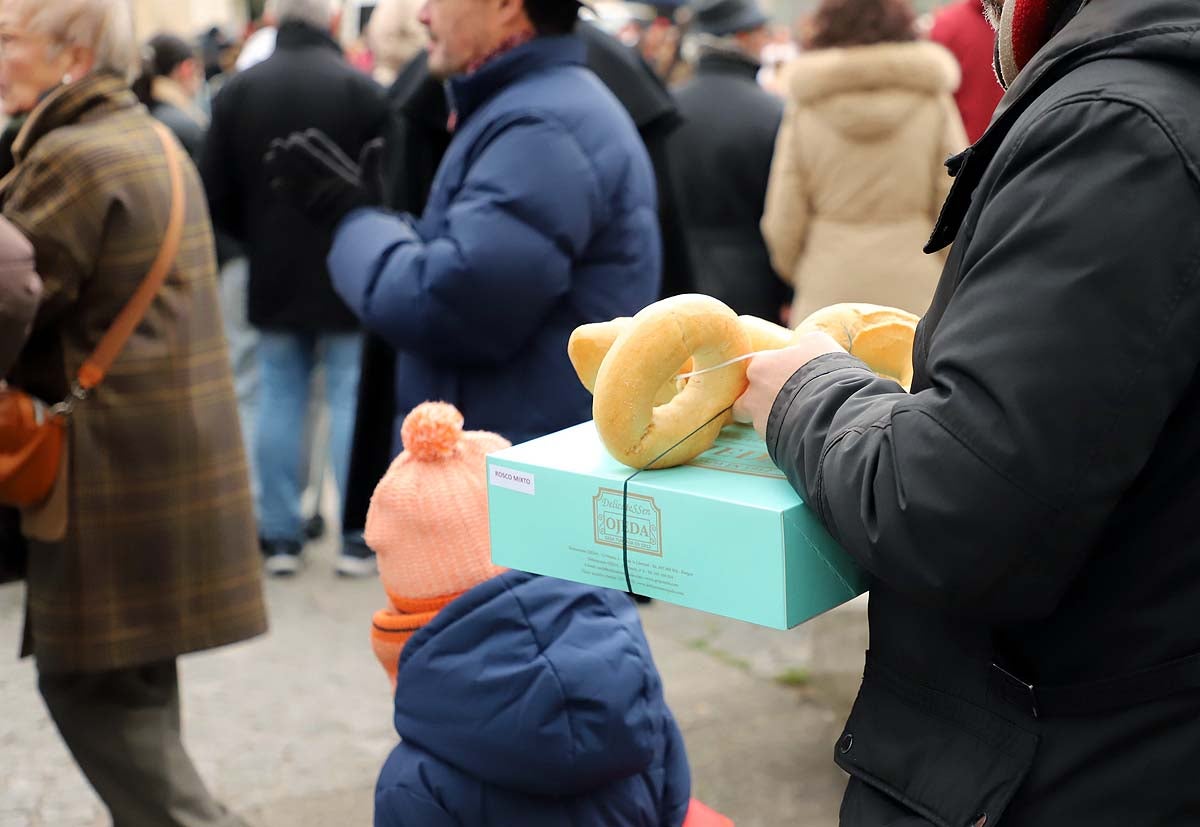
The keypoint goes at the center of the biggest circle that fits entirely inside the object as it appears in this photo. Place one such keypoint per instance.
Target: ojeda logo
(644, 531)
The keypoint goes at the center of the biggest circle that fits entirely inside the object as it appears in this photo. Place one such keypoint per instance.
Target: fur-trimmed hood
(866, 91)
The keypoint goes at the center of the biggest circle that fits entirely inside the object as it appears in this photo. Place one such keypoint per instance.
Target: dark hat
(724, 17)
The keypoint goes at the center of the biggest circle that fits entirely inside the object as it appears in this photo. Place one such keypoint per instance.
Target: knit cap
(428, 524)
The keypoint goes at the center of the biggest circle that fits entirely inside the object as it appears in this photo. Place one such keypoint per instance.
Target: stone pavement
(291, 729)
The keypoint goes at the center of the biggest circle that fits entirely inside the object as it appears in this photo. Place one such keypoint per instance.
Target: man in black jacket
(721, 159)
(1028, 513)
(305, 84)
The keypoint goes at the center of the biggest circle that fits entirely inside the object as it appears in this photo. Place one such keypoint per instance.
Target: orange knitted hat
(428, 522)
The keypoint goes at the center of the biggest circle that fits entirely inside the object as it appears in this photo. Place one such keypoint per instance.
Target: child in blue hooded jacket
(521, 701)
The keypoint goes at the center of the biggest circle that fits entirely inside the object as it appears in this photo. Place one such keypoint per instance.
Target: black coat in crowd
(1029, 513)
(417, 140)
(418, 137)
(186, 130)
(655, 113)
(305, 83)
(720, 162)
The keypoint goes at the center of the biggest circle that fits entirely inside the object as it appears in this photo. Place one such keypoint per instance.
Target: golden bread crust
(652, 351)
(880, 336)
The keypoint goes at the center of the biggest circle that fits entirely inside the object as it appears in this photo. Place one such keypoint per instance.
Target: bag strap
(96, 367)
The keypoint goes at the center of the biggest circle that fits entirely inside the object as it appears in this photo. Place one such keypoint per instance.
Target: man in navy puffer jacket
(542, 217)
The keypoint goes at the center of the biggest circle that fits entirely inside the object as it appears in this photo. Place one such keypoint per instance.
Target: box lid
(737, 450)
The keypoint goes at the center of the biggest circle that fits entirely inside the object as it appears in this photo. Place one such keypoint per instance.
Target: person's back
(653, 110)
(720, 161)
(962, 28)
(858, 175)
(304, 84)
(186, 128)
(519, 699)
(746, 124)
(169, 85)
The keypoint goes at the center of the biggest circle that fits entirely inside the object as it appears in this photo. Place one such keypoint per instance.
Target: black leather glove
(311, 172)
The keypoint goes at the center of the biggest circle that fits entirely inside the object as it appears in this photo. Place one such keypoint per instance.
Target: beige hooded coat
(857, 179)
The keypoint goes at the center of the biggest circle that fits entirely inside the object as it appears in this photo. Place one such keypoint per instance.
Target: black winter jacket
(1028, 513)
(720, 162)
(305, 83)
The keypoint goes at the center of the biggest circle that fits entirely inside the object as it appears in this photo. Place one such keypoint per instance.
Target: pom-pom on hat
(428, 520)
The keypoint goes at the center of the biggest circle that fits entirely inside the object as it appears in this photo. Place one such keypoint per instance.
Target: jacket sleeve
(59, 206)
(785, 217)
(1071, 337)
(406, 796)
(219, 168)
(479, 290)
(20, 291)
(677, 792)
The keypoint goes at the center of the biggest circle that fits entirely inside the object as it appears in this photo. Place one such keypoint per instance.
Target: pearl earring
(66, 79)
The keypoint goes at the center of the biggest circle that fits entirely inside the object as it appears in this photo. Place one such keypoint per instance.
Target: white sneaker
(350, 564)
(282, 559)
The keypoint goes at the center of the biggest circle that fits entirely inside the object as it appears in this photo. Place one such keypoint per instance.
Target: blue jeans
(286, 362)
(243, 344)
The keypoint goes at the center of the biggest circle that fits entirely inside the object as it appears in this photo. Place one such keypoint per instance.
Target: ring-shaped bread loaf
(590, 343)
(651, 351)
(880, 336)
(765, 335)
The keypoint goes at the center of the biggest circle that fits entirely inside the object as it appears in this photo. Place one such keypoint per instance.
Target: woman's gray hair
(316, 13)
(103, 26)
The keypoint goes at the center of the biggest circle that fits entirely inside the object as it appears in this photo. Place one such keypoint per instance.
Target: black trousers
(122, 727)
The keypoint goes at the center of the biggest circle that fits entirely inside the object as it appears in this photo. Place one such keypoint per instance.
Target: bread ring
(590, 343)
(588, 346)
(880, 336)
(651, 351)
(765, 335)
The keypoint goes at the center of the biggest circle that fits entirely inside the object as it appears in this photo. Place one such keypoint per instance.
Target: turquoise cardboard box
(726, 533)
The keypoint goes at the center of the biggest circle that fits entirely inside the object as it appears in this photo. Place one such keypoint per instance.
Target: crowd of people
(426, 216)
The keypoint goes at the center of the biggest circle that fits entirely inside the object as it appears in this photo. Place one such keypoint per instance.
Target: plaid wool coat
(160, 556)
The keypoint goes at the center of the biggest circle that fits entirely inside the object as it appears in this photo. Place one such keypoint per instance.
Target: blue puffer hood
(535, 685)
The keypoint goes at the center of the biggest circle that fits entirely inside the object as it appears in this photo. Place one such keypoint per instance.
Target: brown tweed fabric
(160, 554)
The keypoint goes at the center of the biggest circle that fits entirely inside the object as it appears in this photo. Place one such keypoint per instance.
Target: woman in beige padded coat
(858, 177)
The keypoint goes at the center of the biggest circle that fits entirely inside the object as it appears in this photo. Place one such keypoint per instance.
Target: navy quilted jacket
(535, 702)
(542, 217)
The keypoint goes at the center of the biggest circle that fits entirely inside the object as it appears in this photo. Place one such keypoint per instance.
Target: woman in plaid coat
(146, 550)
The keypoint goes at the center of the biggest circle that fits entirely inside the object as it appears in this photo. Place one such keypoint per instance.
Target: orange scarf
(391, 628)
